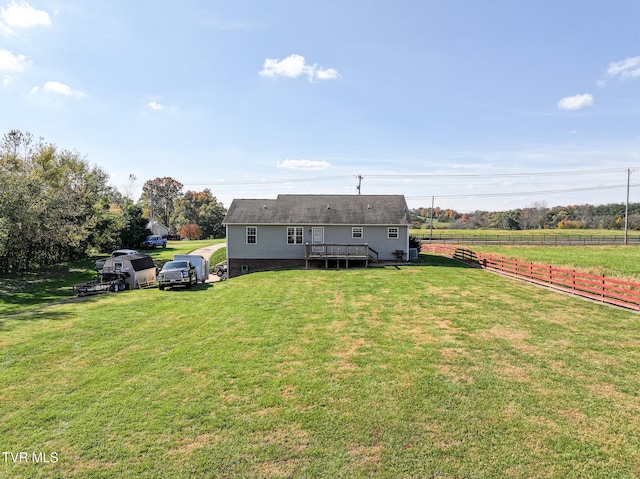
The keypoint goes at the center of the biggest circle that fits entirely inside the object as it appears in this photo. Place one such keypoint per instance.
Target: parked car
(122, 252)
(177, 273)
(154, 241)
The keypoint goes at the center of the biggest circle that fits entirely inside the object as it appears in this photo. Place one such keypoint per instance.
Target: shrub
(190, 231)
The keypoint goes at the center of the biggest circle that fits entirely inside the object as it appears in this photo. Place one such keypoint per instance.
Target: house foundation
(239, 266)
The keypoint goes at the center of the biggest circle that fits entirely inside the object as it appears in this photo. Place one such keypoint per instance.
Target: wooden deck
(336, 252)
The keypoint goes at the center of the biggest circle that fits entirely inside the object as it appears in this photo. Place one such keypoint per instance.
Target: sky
(489, 105)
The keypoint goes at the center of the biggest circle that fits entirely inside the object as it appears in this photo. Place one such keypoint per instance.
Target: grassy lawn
(613, 261)
(423, 371)
(27, 290)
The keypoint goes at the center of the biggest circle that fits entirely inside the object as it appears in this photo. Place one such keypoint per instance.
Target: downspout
(226, 240)
(407, 248)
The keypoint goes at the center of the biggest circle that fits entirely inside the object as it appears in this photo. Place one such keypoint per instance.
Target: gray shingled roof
(321, 210)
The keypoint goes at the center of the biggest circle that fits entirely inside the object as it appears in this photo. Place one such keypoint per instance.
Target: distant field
(423, 371)
(613, 261)
(538, 232)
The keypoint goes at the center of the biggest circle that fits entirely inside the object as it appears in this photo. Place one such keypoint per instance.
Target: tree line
(56, 207)
(537, 216)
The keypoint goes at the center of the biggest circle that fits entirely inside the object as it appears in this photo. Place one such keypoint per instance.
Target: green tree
(135, 226)
(202, 209)
(49, 202)
(158, 196)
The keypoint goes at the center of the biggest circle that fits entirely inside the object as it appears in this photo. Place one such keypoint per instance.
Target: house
(299, 230)
(158, 228)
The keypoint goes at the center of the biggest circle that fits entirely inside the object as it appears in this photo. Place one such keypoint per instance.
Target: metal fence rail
(600, 288)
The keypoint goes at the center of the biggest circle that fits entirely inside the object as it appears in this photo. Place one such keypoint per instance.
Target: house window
(357, 232)
(252, 234)
(392, 233)
(294, 235)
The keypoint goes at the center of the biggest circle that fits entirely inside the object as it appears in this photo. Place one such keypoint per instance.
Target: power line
(403, 175)
(499, 175)
(522, 193)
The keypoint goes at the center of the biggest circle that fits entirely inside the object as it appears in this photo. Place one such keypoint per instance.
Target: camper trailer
(138, 270)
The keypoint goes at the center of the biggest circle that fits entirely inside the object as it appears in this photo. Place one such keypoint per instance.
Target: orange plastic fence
(606, 290)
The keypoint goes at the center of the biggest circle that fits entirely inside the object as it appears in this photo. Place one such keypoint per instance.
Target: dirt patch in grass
(457, 374)
(289, 367)
(511, 372)
(288, 392)
(600, 360)
(344, 357)
(421, 337)
(338, 298)
(516, 338)
(188, 445)
(454, 371)
(368, 458)
(283, 468)
(293, 439)
(609, 391)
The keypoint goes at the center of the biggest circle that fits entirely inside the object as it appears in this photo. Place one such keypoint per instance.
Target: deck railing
(339, 251)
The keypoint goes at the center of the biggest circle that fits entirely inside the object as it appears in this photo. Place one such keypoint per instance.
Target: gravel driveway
(206, 253)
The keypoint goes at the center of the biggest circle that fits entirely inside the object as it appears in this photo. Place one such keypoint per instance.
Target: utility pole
(360, 177)
(151, 209)
(431, 222)
(626, 210)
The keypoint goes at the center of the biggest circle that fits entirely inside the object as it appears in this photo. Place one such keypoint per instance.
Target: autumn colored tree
(190, 231)
(203, 209)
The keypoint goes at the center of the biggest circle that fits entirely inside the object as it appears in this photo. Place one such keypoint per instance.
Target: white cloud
(295, 66)
(155, 105)
(10, 62)
(575, 102)
(21, 15)
(304, 165)
(627, 68)
(328, 74)
(57, 88)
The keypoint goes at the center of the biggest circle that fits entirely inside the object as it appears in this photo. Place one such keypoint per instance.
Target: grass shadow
(24, 291)
(35, 314)
(440, 261)
(193, 289)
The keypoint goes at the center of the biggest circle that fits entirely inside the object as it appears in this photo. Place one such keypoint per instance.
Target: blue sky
(483, 104)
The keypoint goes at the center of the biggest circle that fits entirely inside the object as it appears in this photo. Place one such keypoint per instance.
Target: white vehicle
(201, 265)
(123, 252)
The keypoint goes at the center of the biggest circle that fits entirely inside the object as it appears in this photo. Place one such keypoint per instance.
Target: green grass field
(423, 371)
(613, 261)
(450, 232)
